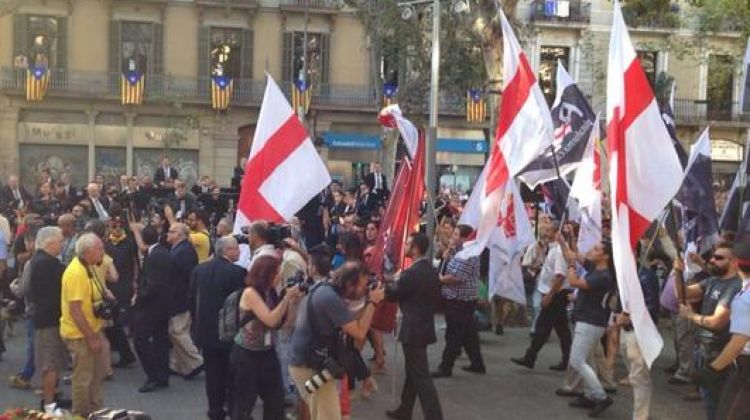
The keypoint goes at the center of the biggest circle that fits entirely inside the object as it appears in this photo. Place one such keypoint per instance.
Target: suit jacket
(210, 284)
(184, 259)
(152, 300)
(191, 202)
(366, 204)
(417, 292)
(105, 203)
(370, 181)
(6, 194)
(160, 176)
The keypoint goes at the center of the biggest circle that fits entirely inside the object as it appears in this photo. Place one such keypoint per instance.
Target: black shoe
(562, 392)
(523, 361)
(481, 370)
(195, 372)
(162, 384)
(582, 402)
(397, 414)
(499, 330)
(600, 406)
(149, 386)
(124, 363)
(441, 373)
(560, 367)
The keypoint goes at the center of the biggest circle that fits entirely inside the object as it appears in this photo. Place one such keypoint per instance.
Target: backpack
(229, 317)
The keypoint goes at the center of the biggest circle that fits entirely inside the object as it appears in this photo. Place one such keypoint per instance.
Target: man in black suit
(186, 360)
(14, 195)
(377, 182)
(367, 201)
(165, 173)
(210, 284)
(417, 292)
(99, 203)
(151, 314)
(182, 201)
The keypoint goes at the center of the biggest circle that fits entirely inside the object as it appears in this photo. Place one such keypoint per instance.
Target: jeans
(586, 339)
(282, 351)
(684, 343)
(711, 395)
(28, 370)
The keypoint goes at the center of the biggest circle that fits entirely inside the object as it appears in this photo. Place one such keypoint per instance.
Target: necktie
(16, 194)
(103, 215)
(378, 181)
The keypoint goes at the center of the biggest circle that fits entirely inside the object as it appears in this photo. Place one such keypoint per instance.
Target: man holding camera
(417, 292)
(321, 319)
(81, 325)
(260, 240)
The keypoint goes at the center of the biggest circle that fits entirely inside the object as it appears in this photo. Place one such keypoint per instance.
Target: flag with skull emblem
(573, 119)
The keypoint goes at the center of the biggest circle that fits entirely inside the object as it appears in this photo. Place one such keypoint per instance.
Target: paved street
(506, 392)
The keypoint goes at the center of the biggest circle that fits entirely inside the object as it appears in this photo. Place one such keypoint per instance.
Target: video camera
(277, 234)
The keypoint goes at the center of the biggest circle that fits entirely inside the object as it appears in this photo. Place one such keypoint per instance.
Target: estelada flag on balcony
(222, 88)
(390, 90)
(301, 96)
(476, 106)
(132, 87)
(37, 83)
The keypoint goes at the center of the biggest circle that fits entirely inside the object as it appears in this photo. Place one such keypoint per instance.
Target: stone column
(9, 141)
(92, 144)
(130, 140)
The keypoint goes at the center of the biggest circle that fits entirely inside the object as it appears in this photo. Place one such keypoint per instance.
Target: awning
(336, 140)
(462, 146)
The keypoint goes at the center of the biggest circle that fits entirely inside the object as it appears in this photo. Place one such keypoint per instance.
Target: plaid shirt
(467, 273)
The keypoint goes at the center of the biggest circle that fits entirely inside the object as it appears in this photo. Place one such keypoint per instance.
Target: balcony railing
(701, 111)
(313, 4)
(560, 11)
(105, 85)
(245, 3)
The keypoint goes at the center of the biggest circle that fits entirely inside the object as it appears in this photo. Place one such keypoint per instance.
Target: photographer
(260, 239)
(256, 367)
(80, 328)
(316, 348)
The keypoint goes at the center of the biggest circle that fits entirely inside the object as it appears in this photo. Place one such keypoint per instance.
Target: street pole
(303, 72)
(431, 143)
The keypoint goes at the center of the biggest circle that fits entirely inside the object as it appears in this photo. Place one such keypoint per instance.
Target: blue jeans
(585, 340)
(709, 395)
(28, 370)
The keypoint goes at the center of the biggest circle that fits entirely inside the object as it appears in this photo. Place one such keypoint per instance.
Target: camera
(279, 233)
(299, 279)
(105, 309)
(331, 370)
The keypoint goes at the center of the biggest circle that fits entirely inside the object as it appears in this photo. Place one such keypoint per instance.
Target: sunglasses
(718, 257)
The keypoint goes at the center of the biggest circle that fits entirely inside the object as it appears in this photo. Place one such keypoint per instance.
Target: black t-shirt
(592, 304)
(717, 292)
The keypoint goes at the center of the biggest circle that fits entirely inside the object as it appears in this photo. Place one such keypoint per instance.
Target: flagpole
(430, 144)
(559, 176)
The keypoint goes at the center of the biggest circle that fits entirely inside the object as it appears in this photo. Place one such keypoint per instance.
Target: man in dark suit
(367, 201)
(151, 314)
(210, 284)
(182, 201)
(417, 292)
(99, 202)
(14, 195)
(239, 172)
(377, 182)
(186, 359)
(165, 173)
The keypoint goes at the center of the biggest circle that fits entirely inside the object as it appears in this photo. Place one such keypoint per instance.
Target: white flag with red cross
(524, 130)
(284, 170)
(645, 173)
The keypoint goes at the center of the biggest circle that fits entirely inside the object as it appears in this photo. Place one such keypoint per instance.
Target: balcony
(689, 111)
(228, 3)
(325, 6)
(186, 89)
(560, 11)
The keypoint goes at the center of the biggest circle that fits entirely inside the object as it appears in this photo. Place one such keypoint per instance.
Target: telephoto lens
(316, 381)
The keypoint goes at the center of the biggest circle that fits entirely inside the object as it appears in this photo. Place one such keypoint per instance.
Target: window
(648, 62)
(225, 52)
(719, 87)
(548, 59)
(39, 41)
(136, 46)
(317, 58)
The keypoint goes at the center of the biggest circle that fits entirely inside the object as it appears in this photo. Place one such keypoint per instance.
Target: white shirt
(554, 265)
(262, 250)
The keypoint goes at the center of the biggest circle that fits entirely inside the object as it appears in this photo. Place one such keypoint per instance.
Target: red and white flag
(524, 130)
(283, 171)
(392, 117)
(645, 173)
(587, 189)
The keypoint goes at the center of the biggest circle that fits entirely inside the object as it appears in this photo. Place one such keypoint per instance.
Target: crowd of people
(151, 271)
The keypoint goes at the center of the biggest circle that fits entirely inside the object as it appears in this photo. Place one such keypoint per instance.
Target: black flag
(696, 197)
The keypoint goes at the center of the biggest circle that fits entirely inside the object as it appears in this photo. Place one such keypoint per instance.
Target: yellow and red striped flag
(37, 83)
(301, 96)
(222, 88)
(476, 106)
(132, 86)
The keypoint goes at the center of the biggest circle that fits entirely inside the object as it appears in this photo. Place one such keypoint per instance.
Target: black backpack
(230, 322)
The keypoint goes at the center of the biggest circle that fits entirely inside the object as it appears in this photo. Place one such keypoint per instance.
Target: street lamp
(408, 11)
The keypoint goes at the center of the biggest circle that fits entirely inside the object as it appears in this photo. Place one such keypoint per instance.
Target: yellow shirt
(202, 245)
(78, 287)
(102, 269)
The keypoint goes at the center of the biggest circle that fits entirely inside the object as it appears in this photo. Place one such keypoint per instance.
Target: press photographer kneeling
(318, 352)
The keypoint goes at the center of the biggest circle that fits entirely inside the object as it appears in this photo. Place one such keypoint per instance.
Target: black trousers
(119, 341)
(256, 374)
(218, 381)
(735, 397)
(553, 316)
(461, 331)
(151, 340)
(419, 383)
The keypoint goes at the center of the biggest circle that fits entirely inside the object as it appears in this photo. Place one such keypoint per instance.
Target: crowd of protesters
(148, 269)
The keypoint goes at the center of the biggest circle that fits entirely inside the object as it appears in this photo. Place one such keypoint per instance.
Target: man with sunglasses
(712, 322)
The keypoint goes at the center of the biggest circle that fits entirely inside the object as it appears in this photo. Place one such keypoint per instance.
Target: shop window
(548, 59)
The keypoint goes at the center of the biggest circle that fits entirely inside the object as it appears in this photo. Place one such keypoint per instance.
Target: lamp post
(407, 13)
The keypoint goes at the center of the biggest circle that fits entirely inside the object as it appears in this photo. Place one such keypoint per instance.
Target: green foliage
(723, 15)
(650, 13)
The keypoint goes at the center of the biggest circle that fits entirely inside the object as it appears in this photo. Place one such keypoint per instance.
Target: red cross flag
(645, 173)
(524, 130)
(283, 171)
